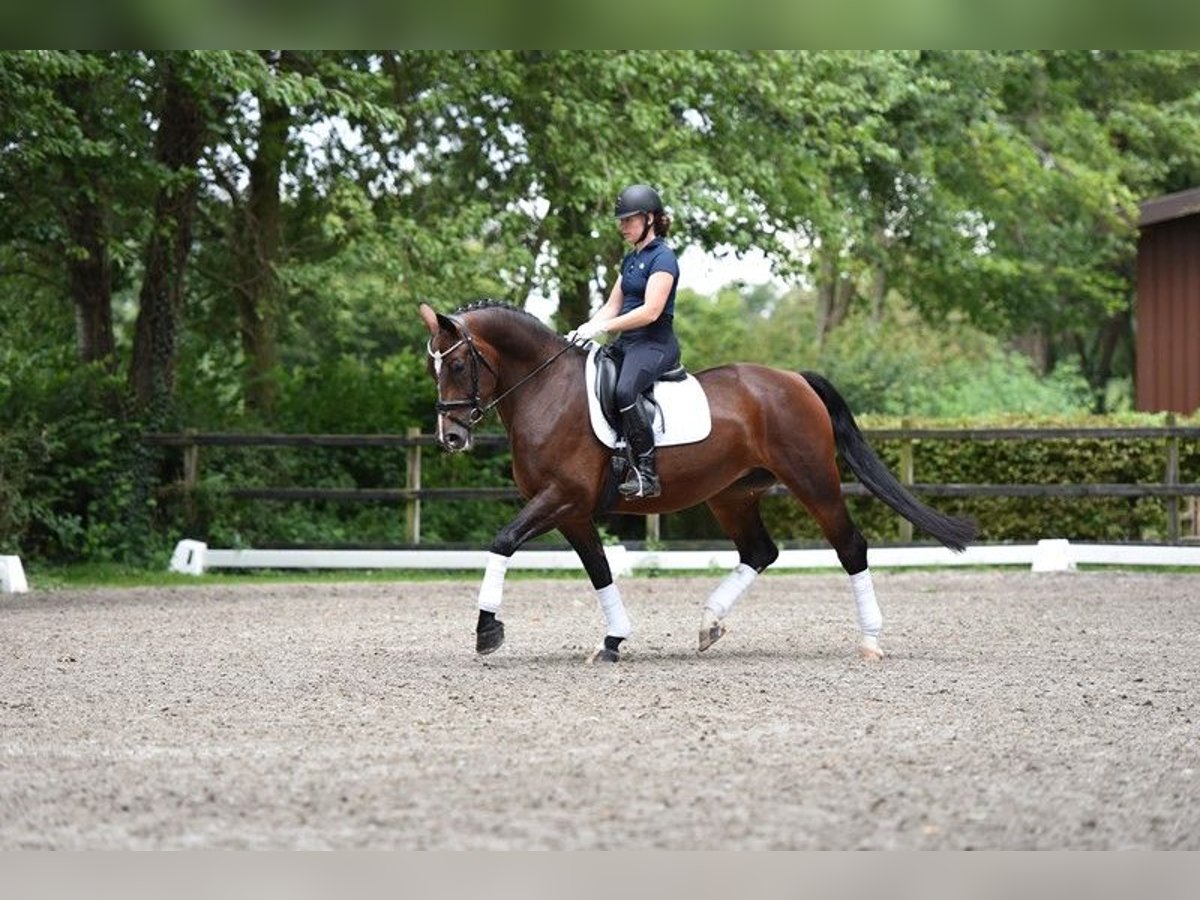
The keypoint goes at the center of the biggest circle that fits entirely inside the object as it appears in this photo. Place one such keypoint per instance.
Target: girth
(607, 370)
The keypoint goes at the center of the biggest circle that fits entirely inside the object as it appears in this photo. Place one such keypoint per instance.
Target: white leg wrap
(870, 619)
(491, 592)
(720, 601)
(614, 612)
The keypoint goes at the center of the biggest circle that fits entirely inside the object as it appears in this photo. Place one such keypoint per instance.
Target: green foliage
(892, 362)
(713, 330)
(347, 395)
(1017, 462)
(212, 514)
(934, 211)
(954, 372)
(341, 396)
(74, 478)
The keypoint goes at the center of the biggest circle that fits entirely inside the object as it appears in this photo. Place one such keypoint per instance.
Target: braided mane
(504, 307)
(488, 303)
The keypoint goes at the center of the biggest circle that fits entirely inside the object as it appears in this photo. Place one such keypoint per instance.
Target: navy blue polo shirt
(636, 269)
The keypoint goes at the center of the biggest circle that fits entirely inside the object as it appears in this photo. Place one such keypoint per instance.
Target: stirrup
(638, 485)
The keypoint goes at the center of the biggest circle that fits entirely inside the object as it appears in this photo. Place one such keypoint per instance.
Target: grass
(90, 575)
(94, 575)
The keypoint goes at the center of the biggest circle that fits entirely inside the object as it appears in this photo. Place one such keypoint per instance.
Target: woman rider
(640, 309)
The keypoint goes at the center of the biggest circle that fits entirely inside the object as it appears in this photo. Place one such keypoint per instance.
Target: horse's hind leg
(820, 491)
(737, 512)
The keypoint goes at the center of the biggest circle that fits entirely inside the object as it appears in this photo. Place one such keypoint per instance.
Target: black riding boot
(642, 477)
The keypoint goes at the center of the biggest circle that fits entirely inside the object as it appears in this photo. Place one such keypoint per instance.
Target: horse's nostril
(454, 442)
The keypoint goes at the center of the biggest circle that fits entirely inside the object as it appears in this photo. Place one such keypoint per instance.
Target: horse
(769, 426)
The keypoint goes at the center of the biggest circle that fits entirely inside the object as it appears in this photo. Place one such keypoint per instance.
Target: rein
(477, 409)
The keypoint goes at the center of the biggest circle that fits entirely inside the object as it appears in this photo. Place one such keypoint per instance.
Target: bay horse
(769, 426)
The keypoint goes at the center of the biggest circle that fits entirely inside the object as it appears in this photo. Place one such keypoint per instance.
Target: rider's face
(631, 227)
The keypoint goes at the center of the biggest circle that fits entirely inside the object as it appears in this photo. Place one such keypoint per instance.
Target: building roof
(1169, 206)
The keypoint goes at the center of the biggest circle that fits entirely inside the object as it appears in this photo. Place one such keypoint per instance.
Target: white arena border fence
(1052, 555)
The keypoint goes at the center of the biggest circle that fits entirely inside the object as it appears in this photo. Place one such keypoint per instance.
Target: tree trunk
(178, 144)
(1038, 347)
(1115, 330)
(88, 264)
(835, 291)
(89, 276)
(576, 265)
(257, 237)
(879, 275)
(878, 292)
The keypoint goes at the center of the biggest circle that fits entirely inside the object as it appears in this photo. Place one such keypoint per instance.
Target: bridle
(473, 404)
(476, 408)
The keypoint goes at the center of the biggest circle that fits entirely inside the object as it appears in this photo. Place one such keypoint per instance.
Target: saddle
(607, 370)
(681, 413)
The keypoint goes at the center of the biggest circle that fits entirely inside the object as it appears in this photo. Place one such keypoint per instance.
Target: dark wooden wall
(1168, 315)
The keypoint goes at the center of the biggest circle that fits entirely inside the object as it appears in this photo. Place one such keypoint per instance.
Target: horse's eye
(458, 367)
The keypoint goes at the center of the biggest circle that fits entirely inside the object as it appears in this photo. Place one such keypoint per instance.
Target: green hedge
(1019, 462)
(75, 480)
(73, 489)
(211, 513)
(940, 461)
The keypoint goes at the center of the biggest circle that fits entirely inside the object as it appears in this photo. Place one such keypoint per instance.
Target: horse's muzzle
(456, 441)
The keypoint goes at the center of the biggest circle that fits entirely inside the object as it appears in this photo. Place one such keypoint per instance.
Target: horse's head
(460, 371)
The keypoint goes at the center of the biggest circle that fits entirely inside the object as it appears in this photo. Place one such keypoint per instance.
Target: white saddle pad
(682, 416)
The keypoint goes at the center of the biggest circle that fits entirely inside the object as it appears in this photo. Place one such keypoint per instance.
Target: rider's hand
(587, 331)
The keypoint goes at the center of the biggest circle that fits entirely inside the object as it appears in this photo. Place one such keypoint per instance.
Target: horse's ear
(435, 321)
(429, 317)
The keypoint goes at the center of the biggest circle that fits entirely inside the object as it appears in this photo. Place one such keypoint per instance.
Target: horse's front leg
(585, 540)
(538, 516)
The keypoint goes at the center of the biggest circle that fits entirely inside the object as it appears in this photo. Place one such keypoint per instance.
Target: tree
(285, 95)
(73, 176)
(999, 185)
(256, 230)
(546, 140)
(1055, 181)
(184, 128)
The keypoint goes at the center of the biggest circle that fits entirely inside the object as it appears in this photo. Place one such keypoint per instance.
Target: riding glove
(587, 331)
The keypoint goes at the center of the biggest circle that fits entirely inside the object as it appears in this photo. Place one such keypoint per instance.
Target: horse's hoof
(490, 638)
(605, 655)
(711, 630)
(870, 650)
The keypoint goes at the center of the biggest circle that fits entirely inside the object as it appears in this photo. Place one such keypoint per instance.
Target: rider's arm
(658, 289)
(612, 306)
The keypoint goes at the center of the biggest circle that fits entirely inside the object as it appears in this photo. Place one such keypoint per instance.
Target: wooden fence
(414, 493)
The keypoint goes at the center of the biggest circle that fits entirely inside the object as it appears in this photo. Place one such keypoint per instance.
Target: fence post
(653, 530)
(191, 461)
(191, 472)
(906, 478)
(414, 484)
(1173, 480)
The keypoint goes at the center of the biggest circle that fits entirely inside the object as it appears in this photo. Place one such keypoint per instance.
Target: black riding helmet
(638, 198)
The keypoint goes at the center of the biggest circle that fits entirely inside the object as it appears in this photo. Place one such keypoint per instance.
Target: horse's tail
(954, 532)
